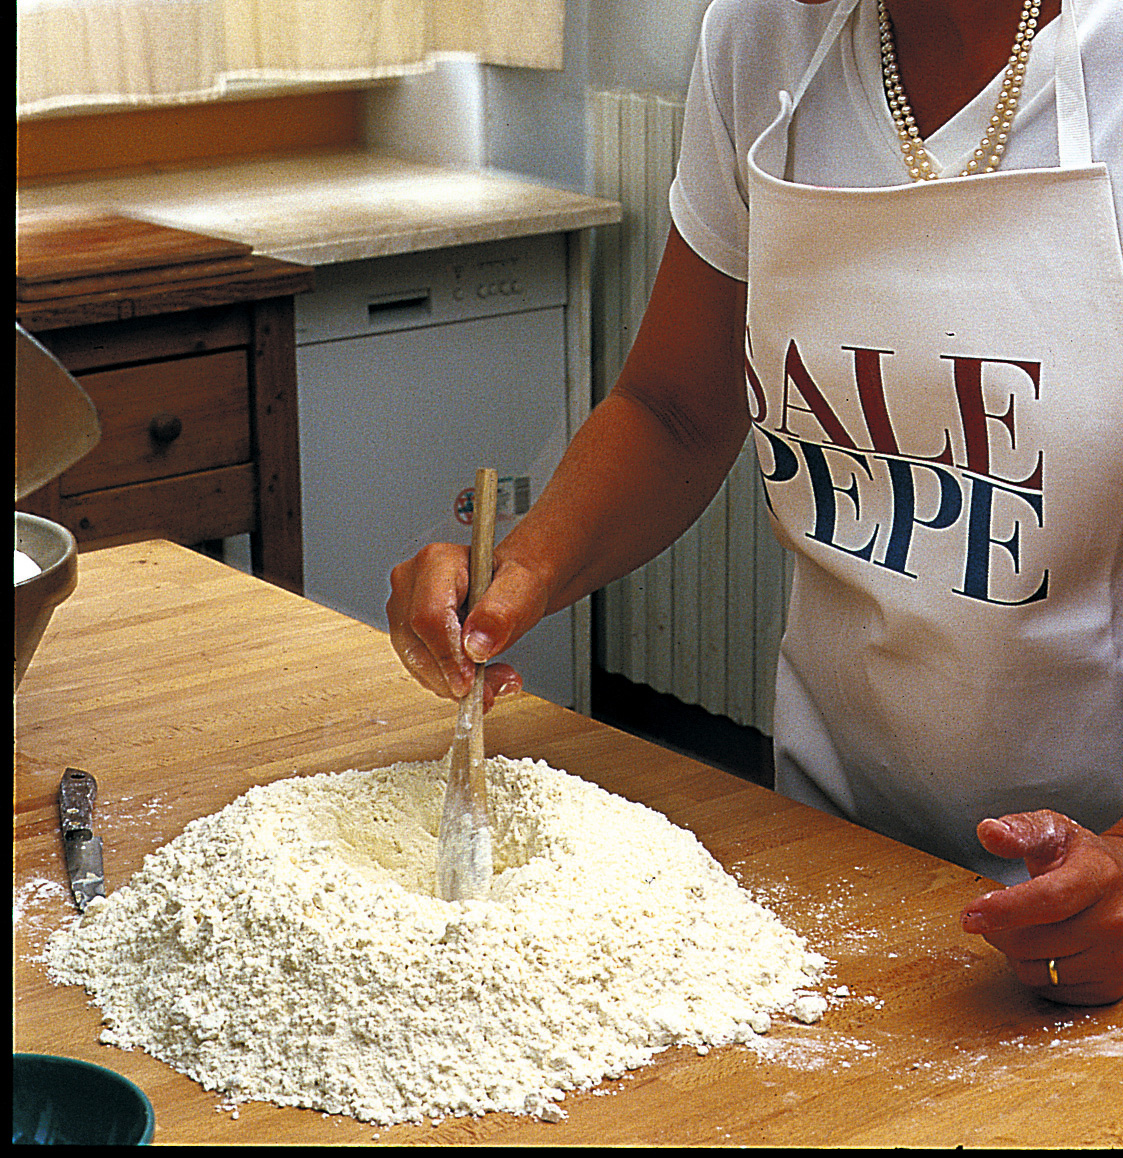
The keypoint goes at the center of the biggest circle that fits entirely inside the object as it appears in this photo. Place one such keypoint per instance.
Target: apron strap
(1074, 138)
(834, 28)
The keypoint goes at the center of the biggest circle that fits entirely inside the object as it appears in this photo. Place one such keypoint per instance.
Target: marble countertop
(320, 208)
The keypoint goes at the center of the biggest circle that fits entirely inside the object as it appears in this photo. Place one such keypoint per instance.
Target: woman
(930, 373)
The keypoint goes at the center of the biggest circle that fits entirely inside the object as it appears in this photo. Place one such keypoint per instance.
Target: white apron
(935, 372)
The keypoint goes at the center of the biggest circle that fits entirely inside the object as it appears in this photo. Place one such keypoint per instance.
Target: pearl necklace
(988, 155)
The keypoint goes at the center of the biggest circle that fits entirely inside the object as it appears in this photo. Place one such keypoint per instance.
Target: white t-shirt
(843, 136)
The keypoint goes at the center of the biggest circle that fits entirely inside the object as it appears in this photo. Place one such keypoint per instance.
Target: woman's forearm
(623, 493)
(652, 455)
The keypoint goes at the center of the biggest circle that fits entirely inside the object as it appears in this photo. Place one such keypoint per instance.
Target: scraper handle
(483, 533)
(77, 792)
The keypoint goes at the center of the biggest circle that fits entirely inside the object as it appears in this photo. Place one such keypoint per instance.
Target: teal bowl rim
(145, 1103)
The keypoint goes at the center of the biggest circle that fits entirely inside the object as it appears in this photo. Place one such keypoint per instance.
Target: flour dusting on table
(290, 948)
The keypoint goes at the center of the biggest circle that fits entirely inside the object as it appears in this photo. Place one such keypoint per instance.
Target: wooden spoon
(464, 838)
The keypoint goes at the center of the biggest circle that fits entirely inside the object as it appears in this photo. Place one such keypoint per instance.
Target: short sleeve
(707, 202)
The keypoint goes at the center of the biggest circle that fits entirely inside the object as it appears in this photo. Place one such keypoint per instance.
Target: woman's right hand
(438, 649)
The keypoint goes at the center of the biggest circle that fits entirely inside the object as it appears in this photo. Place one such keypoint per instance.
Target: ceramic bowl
(53, 548)
(60, 1101)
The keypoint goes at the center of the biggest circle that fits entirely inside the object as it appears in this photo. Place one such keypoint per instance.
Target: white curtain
(81, 53)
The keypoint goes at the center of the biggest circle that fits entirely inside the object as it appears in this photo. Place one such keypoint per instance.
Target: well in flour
(290, 948)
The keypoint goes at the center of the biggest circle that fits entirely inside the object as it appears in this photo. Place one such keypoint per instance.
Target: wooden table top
(79, 269)
(180, 683)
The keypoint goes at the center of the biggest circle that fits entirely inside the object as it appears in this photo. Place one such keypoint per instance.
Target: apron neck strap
(1074, 138)
(834, 27)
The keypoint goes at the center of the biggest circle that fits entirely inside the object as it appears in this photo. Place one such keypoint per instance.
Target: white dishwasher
(412, 371)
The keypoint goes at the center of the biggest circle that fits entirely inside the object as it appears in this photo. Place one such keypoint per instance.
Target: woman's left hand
(1062, 930)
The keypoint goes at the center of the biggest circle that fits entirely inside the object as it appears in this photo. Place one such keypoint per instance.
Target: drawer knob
(164, 428)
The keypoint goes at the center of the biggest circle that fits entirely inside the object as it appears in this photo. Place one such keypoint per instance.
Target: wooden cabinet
(195, 387)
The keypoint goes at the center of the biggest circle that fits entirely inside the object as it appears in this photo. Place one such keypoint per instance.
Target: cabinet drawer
(185, 509)
(165, 419)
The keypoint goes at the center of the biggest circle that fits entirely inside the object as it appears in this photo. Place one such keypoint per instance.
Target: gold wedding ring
(1053, 978)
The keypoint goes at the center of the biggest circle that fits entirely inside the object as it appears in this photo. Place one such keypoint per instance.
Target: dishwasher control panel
(433, 287)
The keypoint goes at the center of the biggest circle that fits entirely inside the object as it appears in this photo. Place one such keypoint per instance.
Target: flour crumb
(809, 1007)
(290, 948)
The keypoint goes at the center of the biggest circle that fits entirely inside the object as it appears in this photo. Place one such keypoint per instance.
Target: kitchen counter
(319, 208)
(179, 683)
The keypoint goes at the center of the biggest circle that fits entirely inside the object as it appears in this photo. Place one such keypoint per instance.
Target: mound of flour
(290, 948)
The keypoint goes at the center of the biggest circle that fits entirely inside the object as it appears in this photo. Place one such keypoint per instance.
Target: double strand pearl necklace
(988, 155)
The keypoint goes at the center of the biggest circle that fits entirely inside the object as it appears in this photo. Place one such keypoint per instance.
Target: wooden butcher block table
(179, 683)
